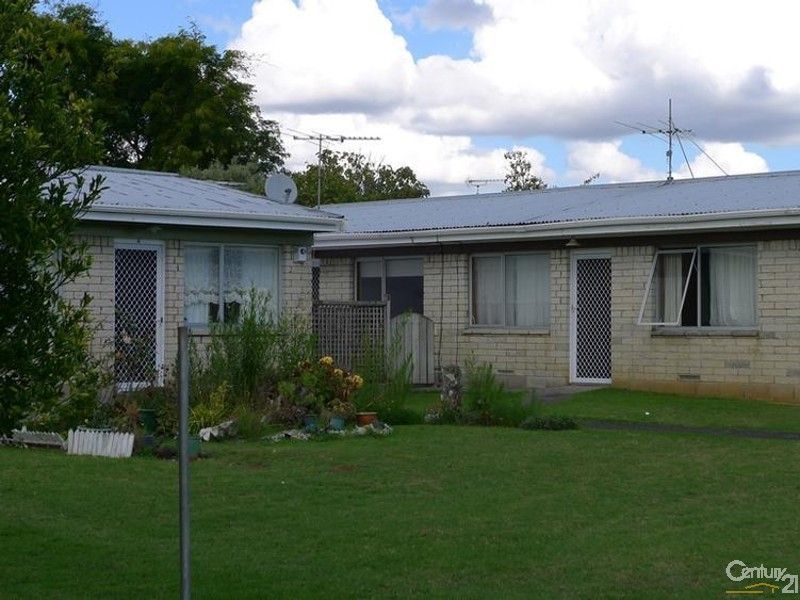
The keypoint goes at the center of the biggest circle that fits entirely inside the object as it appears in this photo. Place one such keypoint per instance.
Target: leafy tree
(46, 133)
(248, 177)
(170, 103)
(519, 175)
(352, 177)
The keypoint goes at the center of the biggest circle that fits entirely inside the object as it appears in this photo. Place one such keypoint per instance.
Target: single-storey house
(689, 286)
(167, 248)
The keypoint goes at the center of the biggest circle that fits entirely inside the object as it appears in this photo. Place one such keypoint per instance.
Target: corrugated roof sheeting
(149, 190)
(739, 193)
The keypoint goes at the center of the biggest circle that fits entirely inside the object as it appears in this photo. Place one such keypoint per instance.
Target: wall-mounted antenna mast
(477, 183)
(320, 137)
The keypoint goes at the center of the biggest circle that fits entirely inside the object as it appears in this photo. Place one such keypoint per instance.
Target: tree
(519, 176)
(170, 103)
(352, 177)
(46, 134)
(248, 176)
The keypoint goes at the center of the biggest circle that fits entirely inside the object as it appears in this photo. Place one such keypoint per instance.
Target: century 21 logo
(739, 571)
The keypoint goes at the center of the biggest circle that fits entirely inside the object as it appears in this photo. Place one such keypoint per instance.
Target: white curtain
(528, 290)
(201, 282)
(672, 285)
(248, 268)
(732, 294)
(487, 290)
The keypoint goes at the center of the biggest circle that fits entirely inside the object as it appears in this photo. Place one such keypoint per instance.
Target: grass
(435, 512)
(624, 405)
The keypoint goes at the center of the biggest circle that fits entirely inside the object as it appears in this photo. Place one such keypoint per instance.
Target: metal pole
(319, 173)
(183, 459)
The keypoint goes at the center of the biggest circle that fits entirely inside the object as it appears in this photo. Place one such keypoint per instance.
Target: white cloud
(443, 162)
(541, 67)
(320, 55)
(614, 165)
(584, 159)
(732, 157)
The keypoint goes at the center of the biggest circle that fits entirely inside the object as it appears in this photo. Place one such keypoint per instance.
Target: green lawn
(432, 511)
(624, 405)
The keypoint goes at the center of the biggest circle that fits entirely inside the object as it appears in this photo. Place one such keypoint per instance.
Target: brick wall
(295, 284)
(336, 279)
(760, 363)
(99, 283)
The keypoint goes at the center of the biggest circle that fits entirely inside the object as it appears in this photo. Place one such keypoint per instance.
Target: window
(398, 278)
(707, 286)
(511, 290)
(218, 280)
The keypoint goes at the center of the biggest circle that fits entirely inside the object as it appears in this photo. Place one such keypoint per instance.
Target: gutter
(160, 216)
(740, 220)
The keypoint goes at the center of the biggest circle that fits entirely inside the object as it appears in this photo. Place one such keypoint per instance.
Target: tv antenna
(591, 178)
(319, 138)
(667, 134)
(477, 183)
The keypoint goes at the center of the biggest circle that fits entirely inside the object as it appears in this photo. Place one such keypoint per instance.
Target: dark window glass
(370, 287)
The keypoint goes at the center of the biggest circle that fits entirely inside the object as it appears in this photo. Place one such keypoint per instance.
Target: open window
(665, 295)
(706, 286)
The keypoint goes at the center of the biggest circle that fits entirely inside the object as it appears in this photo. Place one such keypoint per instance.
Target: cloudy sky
(449, 85)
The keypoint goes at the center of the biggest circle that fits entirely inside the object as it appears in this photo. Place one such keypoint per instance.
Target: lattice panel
(346, 330)
(136, 315)
(315, 272)
(593, 318)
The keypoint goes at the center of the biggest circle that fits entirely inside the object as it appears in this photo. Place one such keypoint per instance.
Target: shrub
(387, 378)
(483, 394)
(551, 423)
(212, 411)
(252, 354)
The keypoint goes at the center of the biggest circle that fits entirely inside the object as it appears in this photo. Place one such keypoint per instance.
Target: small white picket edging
(43, 439)
(99, 442)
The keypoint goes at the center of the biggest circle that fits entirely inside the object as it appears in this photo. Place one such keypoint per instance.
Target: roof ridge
(572, 188)
(112, 169)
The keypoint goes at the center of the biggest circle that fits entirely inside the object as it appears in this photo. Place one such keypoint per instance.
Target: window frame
(698, 267)
(382, 260)
(471, 286)
(221, 275)
(693, 266)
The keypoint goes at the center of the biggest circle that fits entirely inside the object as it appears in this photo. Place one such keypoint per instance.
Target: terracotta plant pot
(365, 418)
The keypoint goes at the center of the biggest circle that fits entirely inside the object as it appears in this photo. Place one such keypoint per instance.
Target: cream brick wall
(336, 279)
(295, 284)
(760, 363)
(99, 283)
(523, 358)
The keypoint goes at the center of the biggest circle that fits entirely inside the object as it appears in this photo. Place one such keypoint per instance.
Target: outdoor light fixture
(573, 243)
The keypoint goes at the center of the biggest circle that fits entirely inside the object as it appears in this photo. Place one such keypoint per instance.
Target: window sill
(666, 331)
(479, 330)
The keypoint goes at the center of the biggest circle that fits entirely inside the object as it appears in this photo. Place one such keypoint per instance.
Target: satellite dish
(280, 188)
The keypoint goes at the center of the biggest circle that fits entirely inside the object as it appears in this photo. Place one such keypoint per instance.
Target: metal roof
(134, 195)
(640, 202)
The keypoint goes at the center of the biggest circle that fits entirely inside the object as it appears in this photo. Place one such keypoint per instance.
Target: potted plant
(340, 411)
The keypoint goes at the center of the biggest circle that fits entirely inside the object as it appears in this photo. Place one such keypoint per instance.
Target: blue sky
(442, 84)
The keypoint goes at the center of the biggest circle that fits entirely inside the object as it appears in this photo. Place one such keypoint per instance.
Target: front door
(590, 322)
(138, 314)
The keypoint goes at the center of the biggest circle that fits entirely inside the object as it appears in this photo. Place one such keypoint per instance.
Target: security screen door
(138, 314)
(590, 318)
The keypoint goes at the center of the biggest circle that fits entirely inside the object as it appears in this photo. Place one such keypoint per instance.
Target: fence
(345, 330)
(96, 442)
(415, 333)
